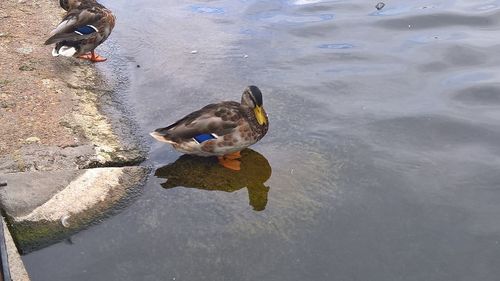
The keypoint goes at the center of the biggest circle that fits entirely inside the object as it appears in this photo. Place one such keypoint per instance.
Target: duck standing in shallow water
(220, 129)
(84, 27)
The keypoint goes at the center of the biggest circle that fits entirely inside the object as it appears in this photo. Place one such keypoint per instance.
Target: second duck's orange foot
(231, 164)
(93, 57)
(97, 58)
(87, 56)
(232, 156)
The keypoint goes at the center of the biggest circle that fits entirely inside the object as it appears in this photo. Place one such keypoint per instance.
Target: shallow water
(381, 163)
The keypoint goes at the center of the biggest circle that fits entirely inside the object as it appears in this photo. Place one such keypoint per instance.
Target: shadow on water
(205, 174)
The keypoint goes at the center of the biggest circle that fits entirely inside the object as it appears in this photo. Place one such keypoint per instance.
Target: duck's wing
(78, 24)
(219, 119)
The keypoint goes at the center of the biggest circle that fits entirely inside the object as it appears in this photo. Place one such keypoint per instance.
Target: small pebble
(25, 50)
(46, 82)
(32, 140)
(380, 5)
(194, 52)
(25, 67)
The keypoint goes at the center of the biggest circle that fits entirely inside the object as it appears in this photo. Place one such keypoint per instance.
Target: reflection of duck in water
(221, 129)
(199, 172)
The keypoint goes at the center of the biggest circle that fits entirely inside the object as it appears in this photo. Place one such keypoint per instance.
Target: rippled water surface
(381, 163)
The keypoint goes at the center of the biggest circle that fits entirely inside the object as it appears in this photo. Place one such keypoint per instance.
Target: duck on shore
(86, 25)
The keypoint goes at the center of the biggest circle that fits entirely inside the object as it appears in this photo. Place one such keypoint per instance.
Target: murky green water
(381, 163)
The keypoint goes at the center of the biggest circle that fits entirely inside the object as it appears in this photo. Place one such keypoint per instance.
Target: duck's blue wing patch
(203, 137)
(86, 29)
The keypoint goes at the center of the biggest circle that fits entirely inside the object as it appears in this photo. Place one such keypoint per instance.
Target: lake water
(382, 161)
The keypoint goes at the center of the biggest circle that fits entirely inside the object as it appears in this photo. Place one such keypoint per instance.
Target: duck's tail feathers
(64, 51)
(161, 137)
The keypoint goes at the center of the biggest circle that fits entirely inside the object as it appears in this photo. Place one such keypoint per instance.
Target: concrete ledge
(16, 265)
(42, 208)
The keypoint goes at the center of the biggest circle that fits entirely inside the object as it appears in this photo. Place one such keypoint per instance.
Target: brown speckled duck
(221, 129)
(86, 25)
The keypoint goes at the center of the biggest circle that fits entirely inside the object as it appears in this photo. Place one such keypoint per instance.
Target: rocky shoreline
(57, 134)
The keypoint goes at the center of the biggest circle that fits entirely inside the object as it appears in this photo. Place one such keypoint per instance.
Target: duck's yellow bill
(260, 115)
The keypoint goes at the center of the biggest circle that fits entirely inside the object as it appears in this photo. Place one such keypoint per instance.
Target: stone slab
(44, 207)
(26, 191)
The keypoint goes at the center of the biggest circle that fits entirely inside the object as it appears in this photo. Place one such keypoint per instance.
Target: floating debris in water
(64, 221)
(245, 56)
(138, 66)
(3, 183)
(380, 5)
(194, 52)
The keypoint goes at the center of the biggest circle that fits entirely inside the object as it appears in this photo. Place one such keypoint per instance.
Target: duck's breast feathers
(218, 119)
(82, 23)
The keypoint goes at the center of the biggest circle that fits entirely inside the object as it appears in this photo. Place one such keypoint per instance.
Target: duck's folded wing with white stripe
(73, 21)
(203, 121)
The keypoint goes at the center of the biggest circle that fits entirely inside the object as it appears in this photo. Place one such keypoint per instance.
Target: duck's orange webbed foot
(230, 161)
(233, 156)
(93, 57)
